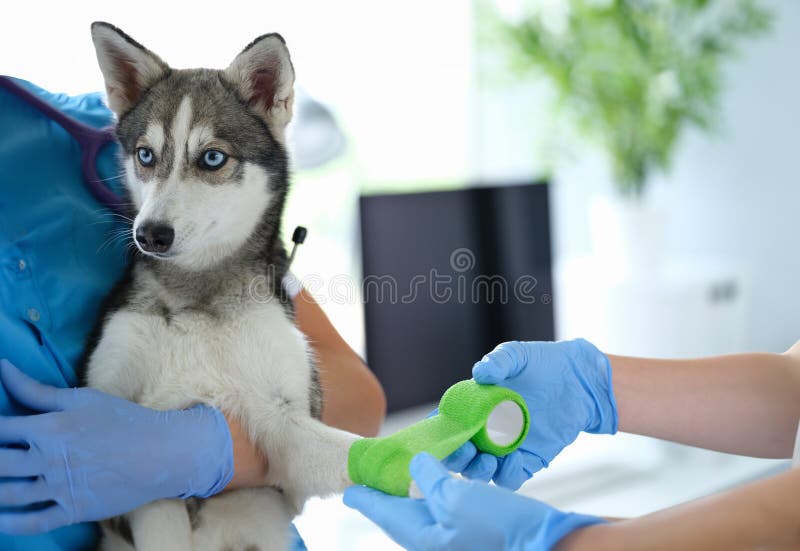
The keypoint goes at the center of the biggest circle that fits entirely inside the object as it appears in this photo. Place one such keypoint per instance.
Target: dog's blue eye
(145, 155)
(213, 159)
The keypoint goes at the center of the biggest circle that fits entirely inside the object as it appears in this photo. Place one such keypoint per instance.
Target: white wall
(397, 73)
(739, 194)
(733, 196)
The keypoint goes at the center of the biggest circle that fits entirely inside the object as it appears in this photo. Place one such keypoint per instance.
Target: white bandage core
(505, 423)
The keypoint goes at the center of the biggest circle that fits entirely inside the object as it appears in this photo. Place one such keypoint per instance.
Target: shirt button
(22, 264)
(34, 314)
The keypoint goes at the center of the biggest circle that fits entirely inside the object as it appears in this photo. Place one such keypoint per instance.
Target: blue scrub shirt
(56, 264)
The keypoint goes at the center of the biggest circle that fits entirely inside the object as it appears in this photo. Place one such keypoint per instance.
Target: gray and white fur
(200, 316)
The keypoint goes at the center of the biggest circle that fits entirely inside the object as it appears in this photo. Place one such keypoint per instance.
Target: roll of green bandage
(493, 417)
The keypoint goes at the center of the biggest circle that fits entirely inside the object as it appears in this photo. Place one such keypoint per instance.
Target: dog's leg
(250, 519)
(162, 526)
(114, 542)
(307, 458)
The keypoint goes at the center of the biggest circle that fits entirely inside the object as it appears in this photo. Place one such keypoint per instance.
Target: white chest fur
(167, 362)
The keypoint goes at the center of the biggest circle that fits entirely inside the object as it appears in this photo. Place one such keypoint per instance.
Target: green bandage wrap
(464, 414)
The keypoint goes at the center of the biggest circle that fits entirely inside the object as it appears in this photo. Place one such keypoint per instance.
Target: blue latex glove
(89, 455)
(567, 387)
(463, 515)
(468, 461)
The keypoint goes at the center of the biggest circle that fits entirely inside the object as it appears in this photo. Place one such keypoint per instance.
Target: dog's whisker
(116, 235)
(106, 209)
(110, 217)
(117, 214)
(111, 221)
(110, 178)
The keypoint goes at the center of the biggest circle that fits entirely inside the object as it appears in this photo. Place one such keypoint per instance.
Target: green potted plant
(632, 75)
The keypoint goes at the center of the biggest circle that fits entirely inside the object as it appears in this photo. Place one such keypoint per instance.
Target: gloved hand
(463, 515)
(93, 456)
(567, 387)
(468, 461)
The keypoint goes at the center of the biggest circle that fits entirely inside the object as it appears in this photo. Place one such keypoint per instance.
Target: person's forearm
(352, 398)
(746, 404)
(762, 515)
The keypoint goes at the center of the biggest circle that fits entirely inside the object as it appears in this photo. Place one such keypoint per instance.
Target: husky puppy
(206, 171)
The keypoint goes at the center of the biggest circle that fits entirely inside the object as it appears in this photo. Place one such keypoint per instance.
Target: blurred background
(625, 170)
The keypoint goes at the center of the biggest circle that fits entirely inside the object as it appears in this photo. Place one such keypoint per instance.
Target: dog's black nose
(155, 238)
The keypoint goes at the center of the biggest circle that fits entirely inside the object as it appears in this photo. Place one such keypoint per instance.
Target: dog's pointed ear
(264, 76)
(128, 67)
